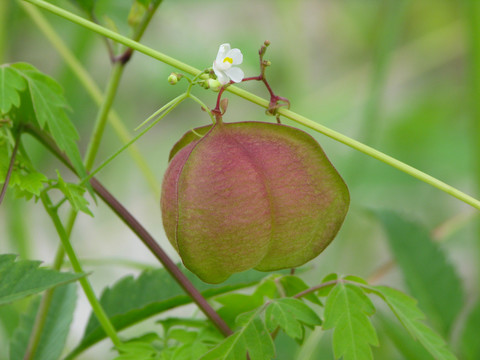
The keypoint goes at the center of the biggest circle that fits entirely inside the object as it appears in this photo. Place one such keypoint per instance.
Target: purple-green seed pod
(250, 195)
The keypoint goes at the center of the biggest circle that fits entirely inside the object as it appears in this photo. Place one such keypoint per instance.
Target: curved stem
(10, 165)
(202, 105)
(87, 288)
(354, 144)
(102, 116)
(316, 287)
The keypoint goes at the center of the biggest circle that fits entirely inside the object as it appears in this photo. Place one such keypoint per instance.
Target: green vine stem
(92, 89)
(141, 232)
(102, 117)
(87, 288)
(265, 103)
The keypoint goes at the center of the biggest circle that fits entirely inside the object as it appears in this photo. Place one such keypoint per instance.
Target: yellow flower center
(229, 59)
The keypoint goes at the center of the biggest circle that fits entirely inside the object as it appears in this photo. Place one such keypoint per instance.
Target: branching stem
(87, 288)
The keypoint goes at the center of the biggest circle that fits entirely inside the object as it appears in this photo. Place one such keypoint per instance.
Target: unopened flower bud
(214, 84)
(174, 77)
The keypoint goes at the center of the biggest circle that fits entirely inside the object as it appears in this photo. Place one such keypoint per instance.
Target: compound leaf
(49, 105)
(347, 311)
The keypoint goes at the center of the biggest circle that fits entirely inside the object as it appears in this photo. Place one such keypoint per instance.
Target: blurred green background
(401, 76)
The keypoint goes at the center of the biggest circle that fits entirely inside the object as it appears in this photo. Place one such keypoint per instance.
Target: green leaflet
(191, 338)
(56, 328)
(437, 286)
(22, 278)
(347, 311)
(290, 314)
(253, 337)
(136, 350)
(11, 84)
(24, 180)
(406, 310)
(391, 328)
(74, 194)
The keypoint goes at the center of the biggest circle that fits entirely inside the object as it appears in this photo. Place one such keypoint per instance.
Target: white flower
(223, 65)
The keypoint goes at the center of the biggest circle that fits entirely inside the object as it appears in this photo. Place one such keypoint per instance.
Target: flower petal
(222, 52)
(235, 73)
(222, 77)
(236, 55)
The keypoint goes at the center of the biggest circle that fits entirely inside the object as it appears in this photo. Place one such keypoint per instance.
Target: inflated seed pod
(250, 195)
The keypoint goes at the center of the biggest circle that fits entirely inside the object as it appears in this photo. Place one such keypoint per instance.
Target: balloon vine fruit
(250, 195)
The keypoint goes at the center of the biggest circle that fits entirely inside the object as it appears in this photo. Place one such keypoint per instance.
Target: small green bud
(214, 84)
(174, 77)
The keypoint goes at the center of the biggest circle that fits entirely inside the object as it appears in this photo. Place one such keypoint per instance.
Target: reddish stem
(10, 166)
(274, 99)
